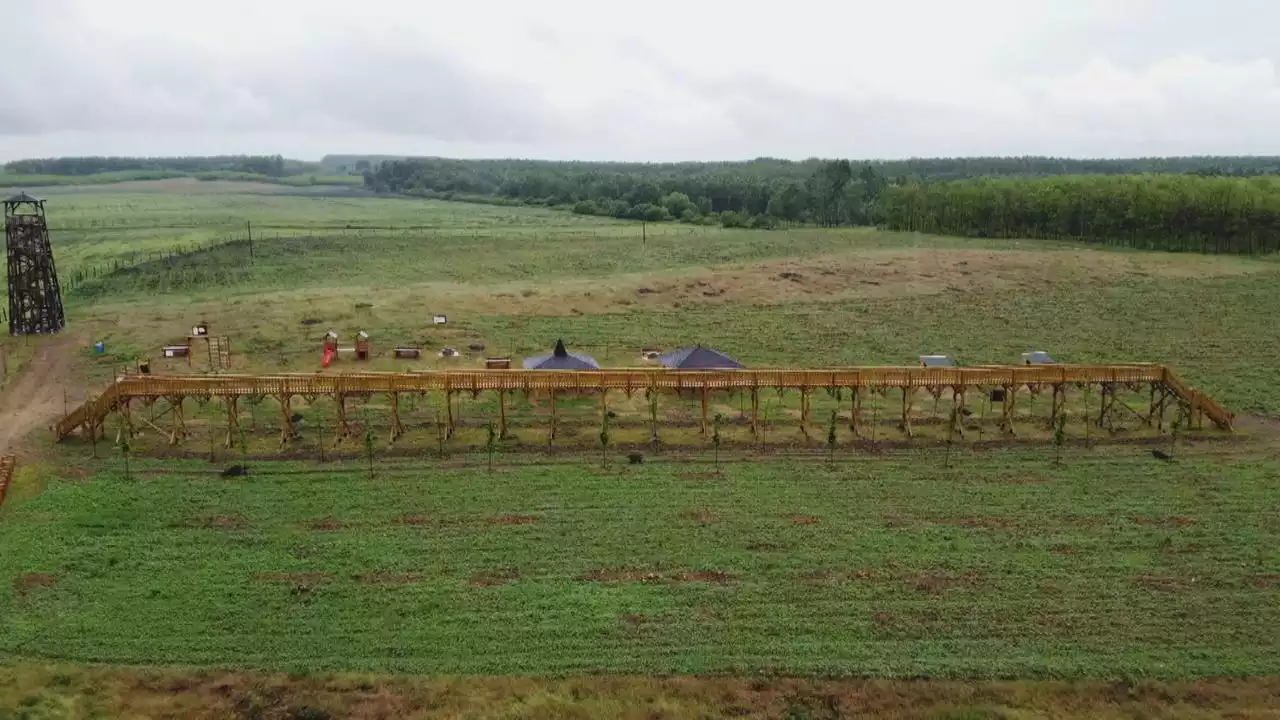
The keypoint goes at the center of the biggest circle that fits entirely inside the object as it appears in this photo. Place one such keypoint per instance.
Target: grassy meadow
(977, 566)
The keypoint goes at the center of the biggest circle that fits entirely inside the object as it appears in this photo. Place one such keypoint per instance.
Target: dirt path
(34, 399)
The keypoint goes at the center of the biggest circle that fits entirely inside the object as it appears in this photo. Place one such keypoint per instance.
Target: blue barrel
(99, 347)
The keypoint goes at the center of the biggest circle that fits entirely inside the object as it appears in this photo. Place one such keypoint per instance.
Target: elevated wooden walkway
(91, 416)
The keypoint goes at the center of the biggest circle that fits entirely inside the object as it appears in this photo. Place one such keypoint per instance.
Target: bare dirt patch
(416, 520)
(702, 516)
(882, 618)
(384, 577)
(218, 522)
(512, 520)
(27, 582)
(983, 523)
(34, 398)
(1173, 522)
(1163, 583)
(933, 582)
(1263, 582)
(493, 578)
(801, 519)
(612, 575)
(324, 525)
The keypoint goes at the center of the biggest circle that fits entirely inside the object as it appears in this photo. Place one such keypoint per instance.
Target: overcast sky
(640, 81)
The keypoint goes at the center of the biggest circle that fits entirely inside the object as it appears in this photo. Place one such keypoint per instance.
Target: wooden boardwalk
(117, 398)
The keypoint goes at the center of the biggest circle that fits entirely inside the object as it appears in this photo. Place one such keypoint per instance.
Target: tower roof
(22, 197)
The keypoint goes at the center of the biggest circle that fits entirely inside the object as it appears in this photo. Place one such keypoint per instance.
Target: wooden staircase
(219, 353)
(7, 465)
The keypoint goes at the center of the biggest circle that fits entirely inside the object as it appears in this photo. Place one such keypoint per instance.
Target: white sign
(441, 319)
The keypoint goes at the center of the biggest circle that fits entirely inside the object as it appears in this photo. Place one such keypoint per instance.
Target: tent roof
(937, 361)
(561, 359)
(699, 358)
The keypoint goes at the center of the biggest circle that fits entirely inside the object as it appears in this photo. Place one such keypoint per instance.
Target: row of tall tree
(757, 193)
(1160, 212)
(273, 165)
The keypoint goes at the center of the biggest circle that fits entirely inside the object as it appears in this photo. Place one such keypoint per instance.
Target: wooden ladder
(7, 464)
(220, 353)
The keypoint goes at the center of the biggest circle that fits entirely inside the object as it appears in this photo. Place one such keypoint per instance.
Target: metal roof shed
(935, 361)
(1038, 357)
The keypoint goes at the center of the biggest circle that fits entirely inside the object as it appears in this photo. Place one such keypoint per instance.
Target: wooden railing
(93, 413)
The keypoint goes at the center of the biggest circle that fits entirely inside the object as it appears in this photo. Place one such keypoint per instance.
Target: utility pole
(248, 226)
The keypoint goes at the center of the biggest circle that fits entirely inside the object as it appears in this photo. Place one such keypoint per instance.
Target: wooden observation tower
(35, 302)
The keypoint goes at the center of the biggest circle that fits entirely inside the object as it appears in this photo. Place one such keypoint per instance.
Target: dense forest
(271, 165)
(1204, 204)
(1159, 212)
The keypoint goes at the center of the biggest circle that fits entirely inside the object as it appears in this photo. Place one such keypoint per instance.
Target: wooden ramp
(91, 416)
(8, 464)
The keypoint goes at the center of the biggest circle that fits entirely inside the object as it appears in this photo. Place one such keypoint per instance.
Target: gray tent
(561, 359)
(699, 358)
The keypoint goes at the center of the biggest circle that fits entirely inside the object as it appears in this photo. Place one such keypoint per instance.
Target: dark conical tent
(699, 358)
(561, 359)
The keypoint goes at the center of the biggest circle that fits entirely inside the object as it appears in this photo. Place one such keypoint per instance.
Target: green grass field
(988, 564)
(1004, 566)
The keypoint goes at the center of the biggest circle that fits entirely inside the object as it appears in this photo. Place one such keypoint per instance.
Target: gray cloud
(1067, 77)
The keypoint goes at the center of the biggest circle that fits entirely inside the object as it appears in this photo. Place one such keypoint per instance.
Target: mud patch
(933, 582)
(384, 577)
(493, 578)
(324, 525)
(801, 519)
(217, 522)
(512, 520)
(27, 582)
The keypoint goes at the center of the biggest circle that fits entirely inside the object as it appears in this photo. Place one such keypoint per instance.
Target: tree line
(1157, 212)
(769, 192)
(272, 165)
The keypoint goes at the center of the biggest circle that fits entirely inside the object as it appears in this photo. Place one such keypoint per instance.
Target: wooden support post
(804, 412)
(855, 412)
(343, 429)
(1059, 405)
(233, 420)
(287, 431)
(907, 392)
(704, 411)
(1007, 409)
(127, 416)
(1108, 400)
(397, 428)
(179, 424)
(553, 414)
(755, 411)
(448, 404)
(1151, 408)
(502, 414)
